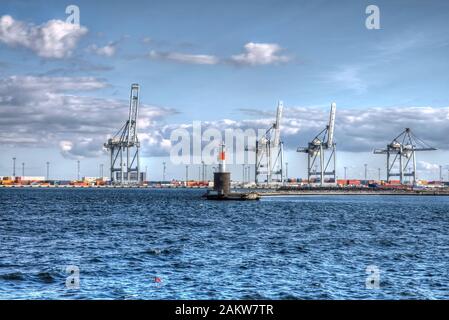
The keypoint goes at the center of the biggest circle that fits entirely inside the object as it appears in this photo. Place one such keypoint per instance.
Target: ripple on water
(282, 248)
(162, 251)
(13, 276)
(46, 277)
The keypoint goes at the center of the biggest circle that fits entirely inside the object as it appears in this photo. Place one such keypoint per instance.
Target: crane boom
(331, 125)
(277, 124)
(133, 113)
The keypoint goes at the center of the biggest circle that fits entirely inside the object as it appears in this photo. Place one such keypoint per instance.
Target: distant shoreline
(97, 187)
(355, 193)
(264, 193)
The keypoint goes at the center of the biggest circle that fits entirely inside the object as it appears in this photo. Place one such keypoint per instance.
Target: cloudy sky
(64, 89)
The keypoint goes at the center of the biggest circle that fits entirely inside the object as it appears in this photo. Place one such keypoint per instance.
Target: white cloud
(348, 78)
(184, 58)
(106, 51)
(66, 145)
(427, 166)
(53, 39)
(81, 147)
(52, 84)
(50, 111)
(255, 54)
(42, 111)
(357, 130)
(260, 54)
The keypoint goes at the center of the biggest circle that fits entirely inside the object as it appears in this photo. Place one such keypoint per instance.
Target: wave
(13, 276)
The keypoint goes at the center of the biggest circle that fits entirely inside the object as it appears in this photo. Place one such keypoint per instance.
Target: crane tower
(124, 146)
(401, 152)
(318, 149)
(270, 152)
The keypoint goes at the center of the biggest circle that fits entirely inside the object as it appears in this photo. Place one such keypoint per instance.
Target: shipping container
(62, 182)
(32, 178)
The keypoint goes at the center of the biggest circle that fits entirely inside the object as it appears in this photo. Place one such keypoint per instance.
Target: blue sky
(193, 62)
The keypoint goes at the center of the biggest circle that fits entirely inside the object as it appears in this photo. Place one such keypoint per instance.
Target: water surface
(311, 247)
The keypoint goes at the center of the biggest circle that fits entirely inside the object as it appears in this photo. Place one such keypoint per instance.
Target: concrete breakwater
(353, 192)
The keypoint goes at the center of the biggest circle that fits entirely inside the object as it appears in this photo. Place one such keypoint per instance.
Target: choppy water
(278, 248)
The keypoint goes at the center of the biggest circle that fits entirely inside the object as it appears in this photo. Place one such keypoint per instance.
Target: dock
(352, 192)
(236, 196)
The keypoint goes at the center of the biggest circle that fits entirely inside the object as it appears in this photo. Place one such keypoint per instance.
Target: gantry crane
(270, 152)
(124, 146)
(317, 151)
(400, 152)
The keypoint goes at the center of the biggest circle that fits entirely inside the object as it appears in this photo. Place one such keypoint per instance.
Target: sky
(64, 89)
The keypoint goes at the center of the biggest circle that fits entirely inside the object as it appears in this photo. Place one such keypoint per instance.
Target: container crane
(270, 151)
(400, 152)
(124, 146)
(317, 150)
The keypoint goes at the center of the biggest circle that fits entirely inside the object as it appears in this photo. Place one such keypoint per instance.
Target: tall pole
(388, 164)
(243, 173)
(138, 164)
(441, 173)
(309, 168)
(163, 172)
(187, 173)
(321, 165)
(268, 162)
(282, 161)
(346, 168)
(366, 172)
(122, 173)
(78, 170)
(379, 173)
(414, 167)
(14, 167)
(256, 163)
(23, 169)
(202, 171)
(111, 168)
(48, 170)
(334, 152)
(286, 171)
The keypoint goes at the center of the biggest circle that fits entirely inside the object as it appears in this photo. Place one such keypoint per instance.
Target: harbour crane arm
(277, 124)
(331, 125)
(380, 151)
(133, 113)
